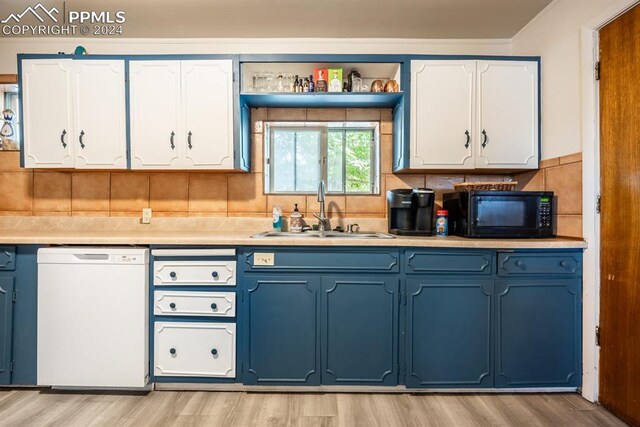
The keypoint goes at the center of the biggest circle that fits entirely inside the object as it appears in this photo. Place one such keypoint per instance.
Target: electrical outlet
(265, 259)
(146, 215)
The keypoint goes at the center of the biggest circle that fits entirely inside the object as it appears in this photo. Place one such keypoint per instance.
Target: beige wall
(555, 36)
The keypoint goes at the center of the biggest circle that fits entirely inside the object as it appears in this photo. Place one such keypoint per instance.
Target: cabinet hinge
(15, 296)
(598, 198)
(598, 336)
(234, 76)
(597, 70)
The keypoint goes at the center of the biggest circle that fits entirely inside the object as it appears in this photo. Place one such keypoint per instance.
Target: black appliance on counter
(411, 211)
(501, 214)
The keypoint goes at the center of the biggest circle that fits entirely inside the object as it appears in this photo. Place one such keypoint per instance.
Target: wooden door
(619, 220)
(207, 108)
(507, 123)
(100, 114)
(442, 114)
(47, 113)
(156, 138)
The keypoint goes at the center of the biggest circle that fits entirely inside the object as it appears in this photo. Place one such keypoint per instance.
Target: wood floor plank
(27, 407)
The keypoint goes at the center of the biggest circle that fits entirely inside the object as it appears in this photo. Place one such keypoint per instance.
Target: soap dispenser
(295, 220)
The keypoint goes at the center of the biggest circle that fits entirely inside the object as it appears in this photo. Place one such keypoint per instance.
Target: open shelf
(322, 100)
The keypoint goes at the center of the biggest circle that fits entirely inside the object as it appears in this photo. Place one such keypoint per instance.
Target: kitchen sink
(322, 234)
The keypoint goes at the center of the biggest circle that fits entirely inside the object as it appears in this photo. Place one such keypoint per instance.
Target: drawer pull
(172, 351)
(173, 274)
(214, 351)
(214, 274)
(172, 306)
(564, 264)
(214, 306)
(519, 263)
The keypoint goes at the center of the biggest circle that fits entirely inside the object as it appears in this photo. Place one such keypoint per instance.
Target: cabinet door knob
(214, 306)
(564, 264)
(214, 274)
(173, 274)
(466, 144)
(80, 139)
(173, 146)
(214, 351)
(172, 305)
(189, 140)
(62, 135)
(172, 351)
(484, 138)
(518, 263)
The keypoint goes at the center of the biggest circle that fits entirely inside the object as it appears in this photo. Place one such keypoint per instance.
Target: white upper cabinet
(207, 106)
(443, 95)
(74, 113)
(100, 134)
(155, 114)
(468, 114)
(48, 125)
(182, 114)
(507, 115)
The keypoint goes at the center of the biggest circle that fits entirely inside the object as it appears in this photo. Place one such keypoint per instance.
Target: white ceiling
(311, 18)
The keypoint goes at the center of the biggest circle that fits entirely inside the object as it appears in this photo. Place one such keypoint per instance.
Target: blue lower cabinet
(449, 339)
(538, 333)
(283, 331)
(6, 328)
(359, 330)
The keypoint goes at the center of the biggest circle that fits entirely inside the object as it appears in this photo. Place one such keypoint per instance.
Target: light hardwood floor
(168, 408)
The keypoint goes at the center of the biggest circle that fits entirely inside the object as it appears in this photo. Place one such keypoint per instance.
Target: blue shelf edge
(322, 100)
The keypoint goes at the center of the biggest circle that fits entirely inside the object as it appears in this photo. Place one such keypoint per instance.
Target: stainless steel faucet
(323, 221)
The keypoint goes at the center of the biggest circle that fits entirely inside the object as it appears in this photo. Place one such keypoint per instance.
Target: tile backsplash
(26, 192)
(563, 176)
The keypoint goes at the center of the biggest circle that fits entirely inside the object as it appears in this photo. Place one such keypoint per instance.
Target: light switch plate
(263, 259)
(146, 215)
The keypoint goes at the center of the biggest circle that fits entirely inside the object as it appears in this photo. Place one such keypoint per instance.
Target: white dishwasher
(93, 317)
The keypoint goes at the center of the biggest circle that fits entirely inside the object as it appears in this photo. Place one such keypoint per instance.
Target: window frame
(323, 128)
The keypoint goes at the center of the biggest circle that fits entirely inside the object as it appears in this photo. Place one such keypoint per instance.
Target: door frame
(590, 128)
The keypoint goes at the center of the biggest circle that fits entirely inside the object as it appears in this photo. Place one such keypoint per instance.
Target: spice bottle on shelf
(442, 222)
(305, 85)
(296, 85)
(311, 84)
(344, 87)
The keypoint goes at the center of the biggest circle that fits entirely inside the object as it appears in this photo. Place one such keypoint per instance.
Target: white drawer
(208, 273)
(182, 303)
(195, 349)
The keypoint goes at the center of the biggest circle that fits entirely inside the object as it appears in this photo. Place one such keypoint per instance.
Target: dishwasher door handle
(92, 257)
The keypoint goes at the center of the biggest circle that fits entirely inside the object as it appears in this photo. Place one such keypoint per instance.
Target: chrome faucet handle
(353, 228)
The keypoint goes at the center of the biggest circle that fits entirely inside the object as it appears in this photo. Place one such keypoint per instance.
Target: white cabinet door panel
(100, 115)
(207, 106)
(507, 132)
(183, 303)
(47, 105)
(155, 114)
(195, 349)
(442, 114)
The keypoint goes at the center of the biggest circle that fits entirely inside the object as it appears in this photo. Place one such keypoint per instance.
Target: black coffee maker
(410, 212)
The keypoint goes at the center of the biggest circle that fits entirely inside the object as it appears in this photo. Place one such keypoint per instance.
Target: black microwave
(501, 214)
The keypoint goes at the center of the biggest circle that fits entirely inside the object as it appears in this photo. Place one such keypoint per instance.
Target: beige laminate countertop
(156, 237)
